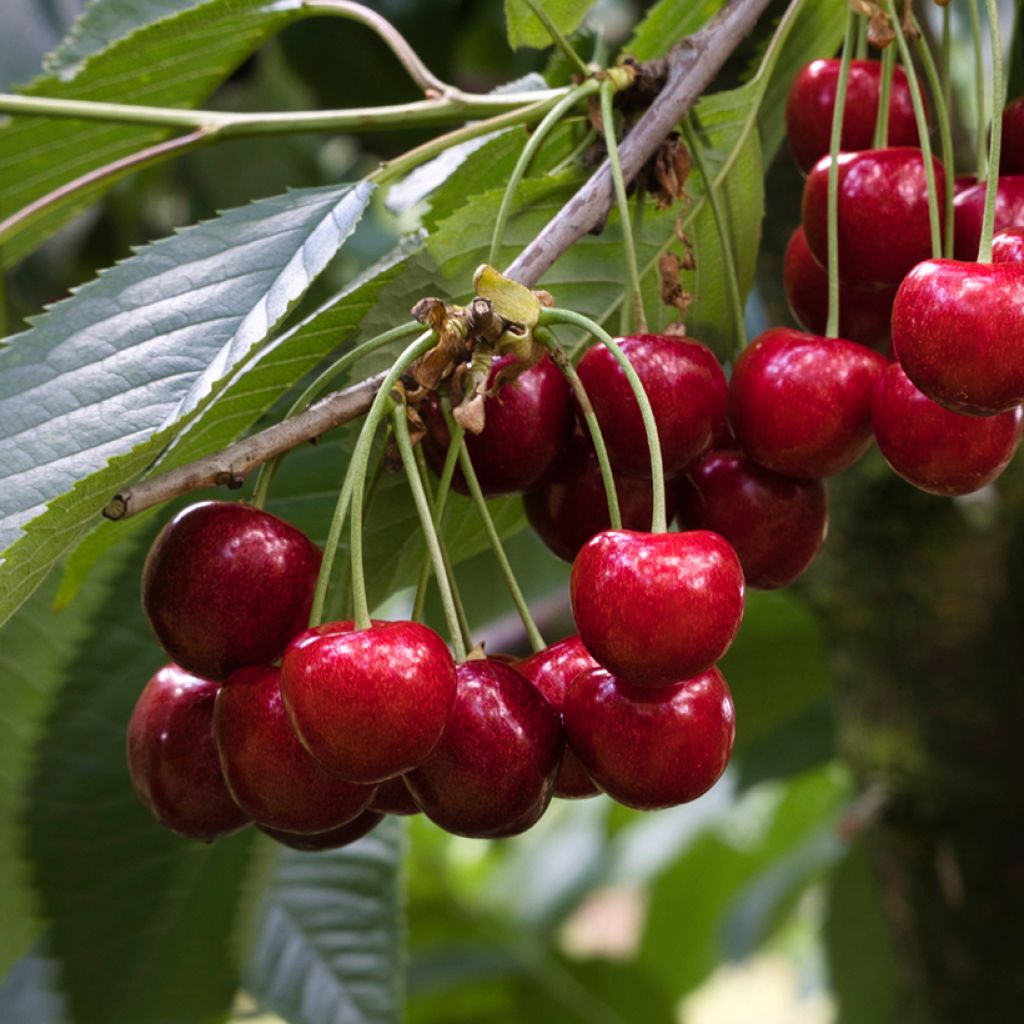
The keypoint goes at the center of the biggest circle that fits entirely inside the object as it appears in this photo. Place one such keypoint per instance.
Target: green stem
(535, 141)
(567, 316)
(995, 135)
(639, 205)
(921, 118)
(622, 201)
(935, 86)
(504, 566)
(832, 325)
(557, 38)
(947, 58)
(881, 139)
(438, 505)
(561, 359)
(980, 148)
(319, 385)
(360, 459)
(331, 547)
(419, 497)
(861, 50)
(732, 284)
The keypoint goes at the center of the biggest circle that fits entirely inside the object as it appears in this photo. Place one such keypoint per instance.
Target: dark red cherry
(882, 215)
(393, 797)
(648, 747)
(270, 774)
(226, 585)
(369, 704)
(332, 839)
(657, 607)
(172, 757)
(1011, 154)
(776, 524)
(936, 450)
(569, 506)
(552, 672)
(527, 425)
(1008, 246)
(687, 391)
(863, 312)
(800, 404)
(957, 331)
(812, 100)
(493, 772)
(968, 210)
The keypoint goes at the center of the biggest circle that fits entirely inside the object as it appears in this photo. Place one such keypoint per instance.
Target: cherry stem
(639, 205)
(360, 459)
(922, 131)
(319, 385)
(979, 91)
(835, 141)
(561, 359)
(659, 523)
(341, 509)
(533, 143)
(995, 135)
(622, 201)
(557, 38)
(419, 496)
(504, 566)
(947, 57)
(881, 138)
(732, 283)
(935, 86)
(861, 51)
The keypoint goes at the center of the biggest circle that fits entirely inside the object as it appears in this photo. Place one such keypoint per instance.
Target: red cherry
(1011, 154)
(687, 391)
(569, 506)
(812, 100)
(882, 216)
(270, 774)
(393, 797)
(528, 423)
(552, 672)
(651, 748)
(1008, 246)
(863, 312)
(936, 450)
(493, 771)
(969, 207)
(776, 524)
(657, 607)
(172, 757)
(226, 585)
(332, 839)
(800, 404)
(957, 330)
(369, 704)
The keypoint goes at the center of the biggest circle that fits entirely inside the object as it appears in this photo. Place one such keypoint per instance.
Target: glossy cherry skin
(332, 839)
(958, 332)
(569, 505)
(687, 391)
(863, 312)
(812, 100)
(1008, 246)
(657, 607)
(369, 704)
(552, 671)
(270, 774)
(969, 207)
(1011, 154)
(393, 797)
(172, 757)
(226, 585)
(493, 772)
(651, 748)
(882, 216)
(527, 424)
(936, 450)
(800, 404)
(776, 524)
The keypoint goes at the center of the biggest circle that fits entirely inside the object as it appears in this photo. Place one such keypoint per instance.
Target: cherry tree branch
(689, 67)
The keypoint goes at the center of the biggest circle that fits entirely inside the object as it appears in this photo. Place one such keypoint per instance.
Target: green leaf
(92, 393)
(666, 23)
(526, 29)
(183, 58)
(329, 937)
(143, 923)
